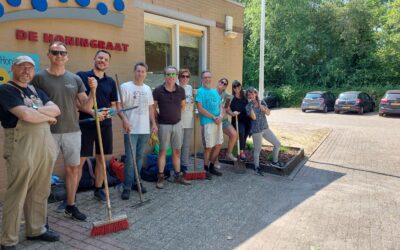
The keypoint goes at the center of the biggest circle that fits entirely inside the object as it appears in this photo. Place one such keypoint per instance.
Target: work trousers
(29, 151)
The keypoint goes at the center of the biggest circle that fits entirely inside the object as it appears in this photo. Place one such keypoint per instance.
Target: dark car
(390, 103)
(355, 101)
(318, 100)
(271, 99)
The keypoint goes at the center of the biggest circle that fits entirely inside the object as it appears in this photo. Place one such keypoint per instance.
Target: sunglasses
(58, 52)
(170, 74)
(236, 86)
(184, 76)
(224, 83)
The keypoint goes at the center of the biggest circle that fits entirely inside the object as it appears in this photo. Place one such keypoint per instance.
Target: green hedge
(292, 95)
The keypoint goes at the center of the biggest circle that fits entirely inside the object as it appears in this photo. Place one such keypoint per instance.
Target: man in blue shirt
(211, 113)
(106, 95)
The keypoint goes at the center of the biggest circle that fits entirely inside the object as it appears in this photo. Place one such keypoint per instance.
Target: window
(172, 42)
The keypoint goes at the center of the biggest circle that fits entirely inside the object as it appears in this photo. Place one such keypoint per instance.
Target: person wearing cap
(26, 114)
(106, 95)
(67, 90)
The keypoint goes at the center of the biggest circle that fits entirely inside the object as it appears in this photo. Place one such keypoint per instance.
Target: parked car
(318, 100)
(390, 103)
(355, 101)
(271, 98)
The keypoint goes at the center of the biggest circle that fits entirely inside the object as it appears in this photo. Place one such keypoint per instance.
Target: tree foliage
(330, 43)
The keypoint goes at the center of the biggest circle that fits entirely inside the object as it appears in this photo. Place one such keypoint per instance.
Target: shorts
(212, 135)
(225, 123)
(170, 135)
(89, 137)
(70, 146)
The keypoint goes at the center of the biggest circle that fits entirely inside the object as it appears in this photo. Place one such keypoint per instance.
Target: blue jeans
(139, 143)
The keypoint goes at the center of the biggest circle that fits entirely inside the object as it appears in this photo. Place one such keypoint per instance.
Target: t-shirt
(106, 92)
(240, 106)
(260, 123)
(187, 114)
(225, 100)
(169, 104)
(62, 90)
(141, 96)
(10, 97)
(210, 101)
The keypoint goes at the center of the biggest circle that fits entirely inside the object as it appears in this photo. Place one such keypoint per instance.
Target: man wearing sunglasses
(67, 90)
(169, 99)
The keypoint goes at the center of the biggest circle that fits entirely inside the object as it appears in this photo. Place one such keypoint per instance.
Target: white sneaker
(231, 157)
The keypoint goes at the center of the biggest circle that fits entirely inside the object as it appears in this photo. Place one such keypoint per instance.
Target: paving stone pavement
(346, 196)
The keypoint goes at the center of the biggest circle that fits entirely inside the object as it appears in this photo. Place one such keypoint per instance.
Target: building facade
(185, 33)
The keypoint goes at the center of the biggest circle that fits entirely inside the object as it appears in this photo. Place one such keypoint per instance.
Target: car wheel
(337, 111)
(326, 109)
(361, 111)
(380, 114)
(303, 110)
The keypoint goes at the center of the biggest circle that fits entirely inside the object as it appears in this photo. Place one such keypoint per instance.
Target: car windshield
(393, 96)
(312, 96)
(348, 96)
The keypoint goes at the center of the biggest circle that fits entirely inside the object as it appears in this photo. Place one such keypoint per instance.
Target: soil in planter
(265, 155)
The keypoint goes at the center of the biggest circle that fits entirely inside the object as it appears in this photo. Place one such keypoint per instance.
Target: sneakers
(61, 207)
(49, 236)
(135, 187)
(277, 164)
(74, 213)
(242, 156)
(160, 181)
(99, 194)
(214, 171)
(125, 194)
(180, 180)
(258, 171)
(231, 157)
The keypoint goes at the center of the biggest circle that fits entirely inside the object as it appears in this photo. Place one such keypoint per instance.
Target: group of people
(39, 114)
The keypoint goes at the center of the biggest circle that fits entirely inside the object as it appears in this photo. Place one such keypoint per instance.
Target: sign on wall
(6, 59)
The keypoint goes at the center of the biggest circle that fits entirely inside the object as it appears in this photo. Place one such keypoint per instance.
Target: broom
(117, 223)
(195, 175)
(135, 168)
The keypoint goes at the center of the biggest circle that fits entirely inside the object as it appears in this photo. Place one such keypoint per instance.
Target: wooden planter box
(290, 157)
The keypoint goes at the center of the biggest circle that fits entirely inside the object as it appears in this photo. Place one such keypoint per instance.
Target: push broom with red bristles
(117, 223)
(195, 175)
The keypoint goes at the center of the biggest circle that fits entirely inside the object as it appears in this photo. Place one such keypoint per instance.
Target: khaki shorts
(170, 135)
(212, 135)
(70, 146)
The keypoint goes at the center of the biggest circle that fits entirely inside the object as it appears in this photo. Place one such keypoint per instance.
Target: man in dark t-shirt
(170, 100)
(26, 114)
(106, 95)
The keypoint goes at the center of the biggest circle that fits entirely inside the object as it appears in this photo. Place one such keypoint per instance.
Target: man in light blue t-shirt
(211, 113)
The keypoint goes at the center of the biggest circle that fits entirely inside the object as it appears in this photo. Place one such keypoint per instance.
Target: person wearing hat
(26, 114)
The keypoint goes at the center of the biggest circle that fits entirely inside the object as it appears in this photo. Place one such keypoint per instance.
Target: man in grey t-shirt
(68, 92)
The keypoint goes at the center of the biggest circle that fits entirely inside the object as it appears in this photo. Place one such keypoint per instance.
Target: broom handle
(96, 116)
(138, 183)
(238, 144)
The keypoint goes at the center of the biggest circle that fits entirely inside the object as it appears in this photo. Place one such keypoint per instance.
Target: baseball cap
(22, 59)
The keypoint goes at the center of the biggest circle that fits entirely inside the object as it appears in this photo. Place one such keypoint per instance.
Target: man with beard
(106, 95)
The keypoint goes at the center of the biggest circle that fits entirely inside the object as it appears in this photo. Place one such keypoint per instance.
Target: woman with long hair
(238, 107)
(257, 111)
